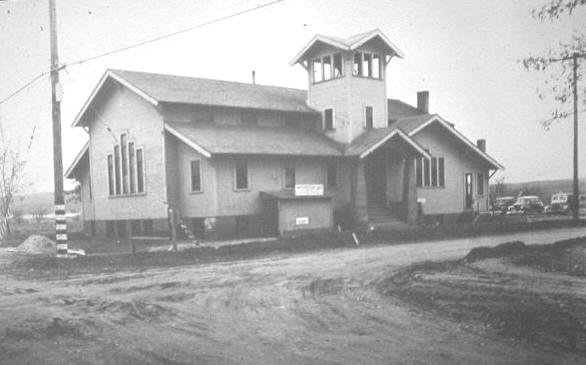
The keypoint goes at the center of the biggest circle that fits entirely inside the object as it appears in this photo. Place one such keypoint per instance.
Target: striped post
(61, 230)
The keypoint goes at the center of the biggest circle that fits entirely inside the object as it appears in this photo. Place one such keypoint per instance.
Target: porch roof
(212, 139)
(82, 157)
(372, 139)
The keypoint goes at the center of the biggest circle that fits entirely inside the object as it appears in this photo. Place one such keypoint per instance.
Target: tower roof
(349, 44)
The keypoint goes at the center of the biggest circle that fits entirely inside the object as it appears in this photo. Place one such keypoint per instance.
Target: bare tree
(11, 183)
(559, 73)
(17, 214)
(39, 213)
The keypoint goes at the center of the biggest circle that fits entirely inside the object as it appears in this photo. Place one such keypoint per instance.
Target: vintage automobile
(526, 204)
(560, 203)
(501, 204)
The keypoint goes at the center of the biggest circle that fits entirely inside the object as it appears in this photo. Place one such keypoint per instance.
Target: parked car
(560, 203)
(526, 204)
(502, 204)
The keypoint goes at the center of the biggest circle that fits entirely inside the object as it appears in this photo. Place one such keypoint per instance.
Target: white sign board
(309, 190)
(301, 221)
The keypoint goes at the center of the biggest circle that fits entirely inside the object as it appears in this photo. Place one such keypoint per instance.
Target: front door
(376, 180)
(468, 198)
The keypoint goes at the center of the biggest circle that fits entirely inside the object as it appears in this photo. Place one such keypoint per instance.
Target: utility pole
(56, 93)
(576, 201)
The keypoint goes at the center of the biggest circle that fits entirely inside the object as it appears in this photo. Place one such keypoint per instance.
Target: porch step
(383, 218)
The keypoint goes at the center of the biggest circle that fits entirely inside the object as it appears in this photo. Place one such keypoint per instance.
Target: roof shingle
(191, 90)
(255, 140)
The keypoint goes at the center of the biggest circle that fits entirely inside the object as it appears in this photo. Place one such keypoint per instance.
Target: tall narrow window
(441, 172)
(123, 146)
(196, 176)
(331, 178)
(132, 167)
(117, 168)
(357, 67)
(338, 70)
(110, 175)
(419, 171)
(139, 171)
(426, 172)
(480, 184)
(317, 70)
(367, 65)
(376, 67)
(327, 67)
(329, 119)
(241, 172)
(368, 116)
(289, 176)
(434, 171)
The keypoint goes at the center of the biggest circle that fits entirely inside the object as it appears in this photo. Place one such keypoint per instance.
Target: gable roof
(214, 139)
(81, 156)
(410, 120)
(349, 44)
(372, 139)
(160, 88)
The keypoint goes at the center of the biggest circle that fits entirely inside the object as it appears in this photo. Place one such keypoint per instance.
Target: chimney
(423, 101)
(253, 77)
(481, 144)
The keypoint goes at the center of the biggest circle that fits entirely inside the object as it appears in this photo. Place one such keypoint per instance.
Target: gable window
(241, 174)
(139, 171)
(331, 181)
(289, 176)
(124, 147)
(368, 116)
(430, 173)
(125, 169)
(317, 70)
(338, 69)
(249, 118)
(196, 176)
(480, 184)
(132, 167)
(329, 119)
(110, 175)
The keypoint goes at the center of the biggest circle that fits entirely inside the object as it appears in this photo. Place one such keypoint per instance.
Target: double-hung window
(430, 173)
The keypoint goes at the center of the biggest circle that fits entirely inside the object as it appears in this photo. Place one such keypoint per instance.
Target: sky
(465, 53)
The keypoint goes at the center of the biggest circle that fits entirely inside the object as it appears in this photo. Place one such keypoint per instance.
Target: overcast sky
(464, 52)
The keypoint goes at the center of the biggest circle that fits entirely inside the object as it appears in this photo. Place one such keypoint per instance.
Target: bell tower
(346, 82)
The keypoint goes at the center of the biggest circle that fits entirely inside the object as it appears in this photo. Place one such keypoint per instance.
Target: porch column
(358, 193)
(410, 192)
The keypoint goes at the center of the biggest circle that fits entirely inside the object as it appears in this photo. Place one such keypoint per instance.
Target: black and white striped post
(60, 230)
(60, 223)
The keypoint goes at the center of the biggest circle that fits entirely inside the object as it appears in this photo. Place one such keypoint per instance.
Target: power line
(142, 43)
(158, 38)
(23, 87)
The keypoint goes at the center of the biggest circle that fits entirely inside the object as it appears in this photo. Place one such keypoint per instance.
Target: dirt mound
(502, 250)
(36, 244)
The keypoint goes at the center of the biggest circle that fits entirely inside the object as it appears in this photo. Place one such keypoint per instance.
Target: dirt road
(315, 308)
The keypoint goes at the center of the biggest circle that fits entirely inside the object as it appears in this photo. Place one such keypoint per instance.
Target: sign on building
(299, 221)
(309, 190)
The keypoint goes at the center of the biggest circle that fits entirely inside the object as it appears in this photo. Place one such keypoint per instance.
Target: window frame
(366, 121)
(480, 186)
(318, 69)
(365, 68)
(289, 165)
(235, 173)
(200, 175)
(430, 173)
(333, 127)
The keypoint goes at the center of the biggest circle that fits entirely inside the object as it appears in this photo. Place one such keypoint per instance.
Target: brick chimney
(423, 101)
(481, 144)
